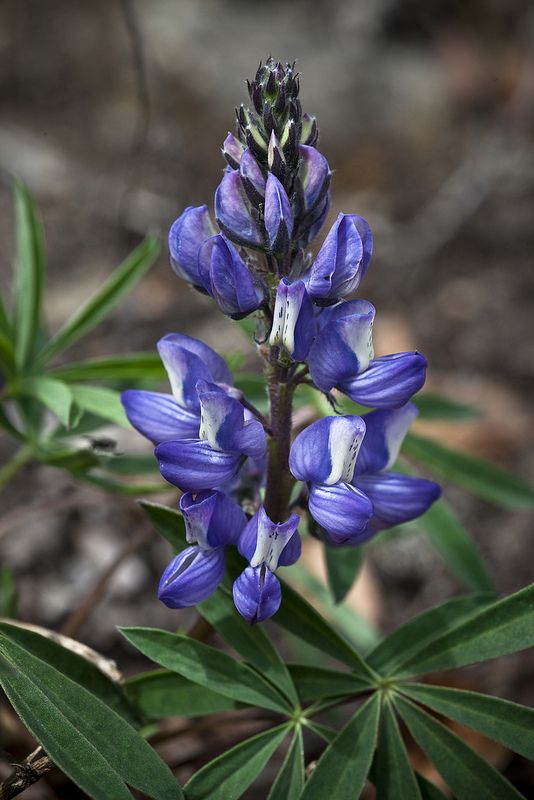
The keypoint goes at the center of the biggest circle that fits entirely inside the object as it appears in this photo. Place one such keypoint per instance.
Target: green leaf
(343, 565)
(505, 722)
(52, 393)
(105, 299)
(252, 384)
(249, 641)
(343, 767)
(317, 683)
(8, 593)
(449, 538)
(426, 627)
(118, 487)
(128, 367)
(290, 780)
(466, 774)
(5, 325)
(119, 464)
(437, 407)
(29, 275)
(326, 733)
(429, 791)
(207, 666)
(7, 425)
(501, 628)
(7, 357)
(168, 523)
(99, 400)
(92, 744)
(477, 476)
(72, 460)
(230, 774)
(395, 779)
(161, 693)
(79, 669)
(297, 616)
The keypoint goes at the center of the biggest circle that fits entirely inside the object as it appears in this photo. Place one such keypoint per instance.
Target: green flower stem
(10, 469)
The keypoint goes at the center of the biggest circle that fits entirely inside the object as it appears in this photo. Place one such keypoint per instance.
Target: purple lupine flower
(278, 216)
(252, 178)
(342, 261)
(186, 236)
(232, 150)
(233, 212)
(266, 545)
(225, 439)
(314, 174)
(396, 498)
(237, 291)
(160, 416)
(324, 456)
(313, 222)
(212, 521)
(342, 356)
(293, 320)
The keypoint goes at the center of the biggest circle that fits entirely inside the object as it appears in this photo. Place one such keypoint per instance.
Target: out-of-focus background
(113, 113)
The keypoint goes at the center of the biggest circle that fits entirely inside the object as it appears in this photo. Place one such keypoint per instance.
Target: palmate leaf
(394, 777)
(428, 790)
(318, 683)
(230, 774)
(501, 628)
(29, 275)
(477, 476)
(162, 693)
(290, 779)
(207, 666)
(92, 744)
(466, 773)
(104, 300)
(128, 367)
(168, 523)
(100, 400)
(54, 394)
(500, 720)
(251, 642)
(343, 565)
(343, 767)
(434, 406)
(423, 629)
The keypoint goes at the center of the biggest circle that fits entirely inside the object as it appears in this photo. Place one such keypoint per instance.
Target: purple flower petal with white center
(397, 498)
(212, 519)
(326, 451)
(233, 212)
(158, 416)
(293, 320)
(278, 215)
(232, 150)
(273, 544)
(343, 348)
(385, 432)
(337, 270)
(314, 174)
(186, 235)
(257, 594)
(343, 511)
(389, 382)
(223, 426)
(232, 284)
(191, 577)
(192, 465)
(252, 178)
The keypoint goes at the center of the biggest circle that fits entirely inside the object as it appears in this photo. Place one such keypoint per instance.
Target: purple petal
(252, 178)
(365, 232)
(314, 221)
(314, 174)
(294, 321)
(278, 215)
(158, 416)
(273, 544)
(385, 432)
(212, 519)
(343, 511)
(389, 382)
(397, 498)
(344, 346)
(326, 451)
(337, 270)
(233, 212)
(232, 284)
(192, 576)
(233, 150)
(257, 594)
(186, 236)
(192, 465)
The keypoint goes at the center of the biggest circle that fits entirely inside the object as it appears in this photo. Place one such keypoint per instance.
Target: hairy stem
(279, 478)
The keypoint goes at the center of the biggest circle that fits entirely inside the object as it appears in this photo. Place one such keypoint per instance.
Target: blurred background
(113, 113)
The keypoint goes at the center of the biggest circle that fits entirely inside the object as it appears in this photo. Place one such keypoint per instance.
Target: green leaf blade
(290, 780)
(127, 367)
(54, 394)
(100, 400)
(343, 565)
(318, 683)
(395, 779)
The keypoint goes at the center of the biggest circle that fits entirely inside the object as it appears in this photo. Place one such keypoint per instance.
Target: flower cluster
(210, 441)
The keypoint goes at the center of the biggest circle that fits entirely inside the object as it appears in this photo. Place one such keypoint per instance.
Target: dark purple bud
(314, 174)
(186, 236)
(337, 270)
(278, 216)
(191, 577)
(232, 150)
(212, 519)
(308, 134)
(233, 212)
(257, 594)
(232, 284)
(275, 158)
(268, 118)
(252, 178)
